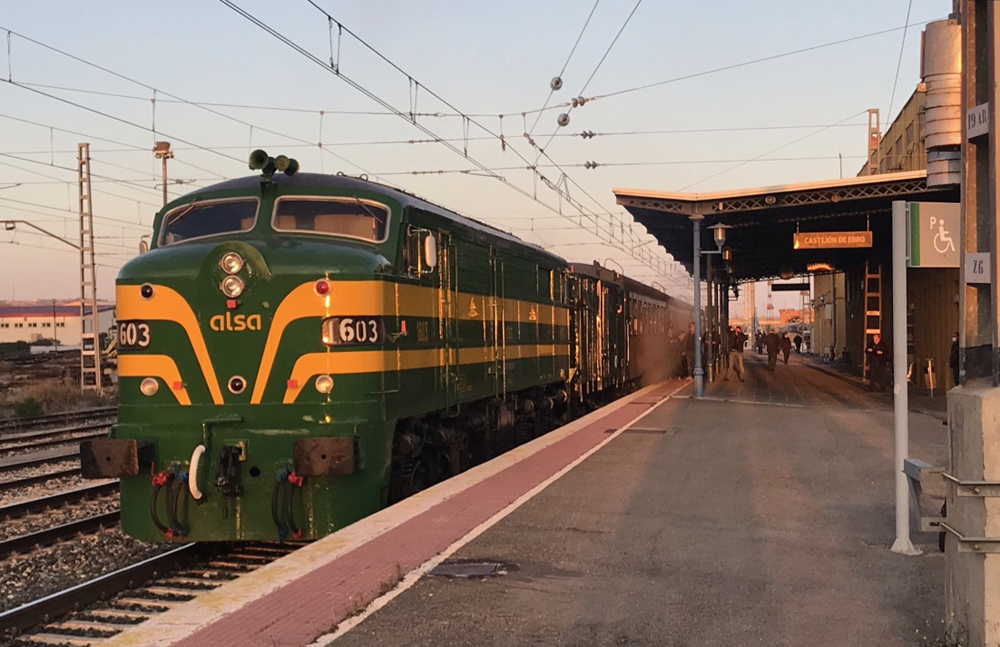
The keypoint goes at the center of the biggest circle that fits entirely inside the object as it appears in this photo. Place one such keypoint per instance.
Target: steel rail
(12, 463)
(17, 484)
(44, 503)
(56, 442)
(57, 604)
(67, 416)
(51, 535)
(45, 433)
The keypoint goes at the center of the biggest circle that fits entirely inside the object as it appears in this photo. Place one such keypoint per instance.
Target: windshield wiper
(366, 208)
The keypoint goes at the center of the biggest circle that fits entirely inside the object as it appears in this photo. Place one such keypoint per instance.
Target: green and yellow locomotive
(297, 350)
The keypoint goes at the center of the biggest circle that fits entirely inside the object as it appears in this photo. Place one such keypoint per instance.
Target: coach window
(200, 219)
(347, 217)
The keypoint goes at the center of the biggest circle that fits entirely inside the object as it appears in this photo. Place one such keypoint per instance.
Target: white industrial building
(33, 321)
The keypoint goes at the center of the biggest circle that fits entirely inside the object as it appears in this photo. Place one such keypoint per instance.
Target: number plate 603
(133, 334)
(353, 331)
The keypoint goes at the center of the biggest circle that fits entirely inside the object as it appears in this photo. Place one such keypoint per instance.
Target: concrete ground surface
(761, 515)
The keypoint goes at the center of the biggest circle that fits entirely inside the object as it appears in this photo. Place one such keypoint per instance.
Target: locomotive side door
(499, 329)
(448, 317)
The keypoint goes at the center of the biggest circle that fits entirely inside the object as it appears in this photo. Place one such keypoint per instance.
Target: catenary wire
(899, 62)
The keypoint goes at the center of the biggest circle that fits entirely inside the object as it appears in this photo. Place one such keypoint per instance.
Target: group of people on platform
(683, 349)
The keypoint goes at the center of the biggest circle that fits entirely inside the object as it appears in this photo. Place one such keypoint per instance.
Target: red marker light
(178, 386)
(402, 326)
(293, 384)
(231, 303)
(322, 287)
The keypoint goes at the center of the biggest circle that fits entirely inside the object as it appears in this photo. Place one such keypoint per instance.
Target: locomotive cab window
(348, 217)
(209, 218)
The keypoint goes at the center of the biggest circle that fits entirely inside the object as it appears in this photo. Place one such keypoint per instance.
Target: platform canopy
(764, 220)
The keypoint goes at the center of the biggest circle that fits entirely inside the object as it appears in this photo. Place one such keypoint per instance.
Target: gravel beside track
(42, 572)
(69, 438)
(15, 494)
(50, 518)
(39, 422)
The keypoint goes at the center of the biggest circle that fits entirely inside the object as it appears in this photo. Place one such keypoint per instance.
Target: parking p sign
(934, 234)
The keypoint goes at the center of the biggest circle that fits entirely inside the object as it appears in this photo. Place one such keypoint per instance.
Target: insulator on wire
(590, 165)
(563, 119)
(588, 134)
(556, 83)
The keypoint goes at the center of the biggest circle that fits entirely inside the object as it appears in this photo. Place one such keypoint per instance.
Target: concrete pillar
(972, 579)
(972, 575)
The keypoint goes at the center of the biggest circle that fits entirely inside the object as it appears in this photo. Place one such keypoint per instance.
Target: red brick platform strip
(297, 613)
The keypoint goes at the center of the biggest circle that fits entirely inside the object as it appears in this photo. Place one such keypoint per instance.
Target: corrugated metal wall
(934, 317)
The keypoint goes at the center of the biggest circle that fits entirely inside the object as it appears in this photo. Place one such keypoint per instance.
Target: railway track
(32, 540)
(33, 506)
(13, 463)
(68, 417)
(35, 479)
(52, 437)
(134, 594)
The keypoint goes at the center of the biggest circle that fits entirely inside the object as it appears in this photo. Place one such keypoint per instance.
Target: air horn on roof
(260, 161)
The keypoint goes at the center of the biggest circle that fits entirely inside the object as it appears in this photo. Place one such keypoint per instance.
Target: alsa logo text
(234, 323)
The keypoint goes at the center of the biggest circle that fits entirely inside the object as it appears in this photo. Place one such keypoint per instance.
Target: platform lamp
(719, 236)
(163, 152)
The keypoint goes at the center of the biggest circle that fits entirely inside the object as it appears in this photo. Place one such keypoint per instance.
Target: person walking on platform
(877, 362)
(785, 344)
(798, 343)
(736, 342)
(687, 362)
(953, 359)
(771, 346)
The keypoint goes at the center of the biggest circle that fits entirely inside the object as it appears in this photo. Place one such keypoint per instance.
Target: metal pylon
(90, 340)
(874, 139)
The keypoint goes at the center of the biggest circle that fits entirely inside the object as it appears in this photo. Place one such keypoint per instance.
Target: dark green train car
(295, 353)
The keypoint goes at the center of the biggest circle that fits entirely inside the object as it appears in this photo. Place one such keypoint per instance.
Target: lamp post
(719, 236)
(163, 152)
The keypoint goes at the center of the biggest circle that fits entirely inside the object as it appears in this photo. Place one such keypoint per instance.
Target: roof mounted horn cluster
(260, 161)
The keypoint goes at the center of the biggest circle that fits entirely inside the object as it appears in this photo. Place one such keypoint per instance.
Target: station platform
(760, 514)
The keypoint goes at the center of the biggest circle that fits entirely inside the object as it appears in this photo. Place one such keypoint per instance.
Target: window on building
(46, 325)
(19, 325)
(32, 325)
(61, 325)
(4, 325)
(899, 152)
(910, 135)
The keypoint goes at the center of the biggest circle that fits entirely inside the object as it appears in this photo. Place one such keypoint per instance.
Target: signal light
(324, 384)
(322, 287)
(231, 263)
(232, 286)
(149, 386)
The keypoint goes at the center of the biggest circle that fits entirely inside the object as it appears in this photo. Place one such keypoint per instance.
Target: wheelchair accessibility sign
(934, 234)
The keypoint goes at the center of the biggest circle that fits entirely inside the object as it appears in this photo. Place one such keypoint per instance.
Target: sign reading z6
(133, 335)
(353, 331)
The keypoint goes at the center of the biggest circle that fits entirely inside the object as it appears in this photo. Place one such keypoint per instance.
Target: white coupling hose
(193, 473)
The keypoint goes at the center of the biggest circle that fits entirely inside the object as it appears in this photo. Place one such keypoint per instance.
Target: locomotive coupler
(227, 477)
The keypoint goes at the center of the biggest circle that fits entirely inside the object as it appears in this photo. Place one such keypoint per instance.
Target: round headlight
(231, 262)
(232, 286)
(324, 384)
(149, 386)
